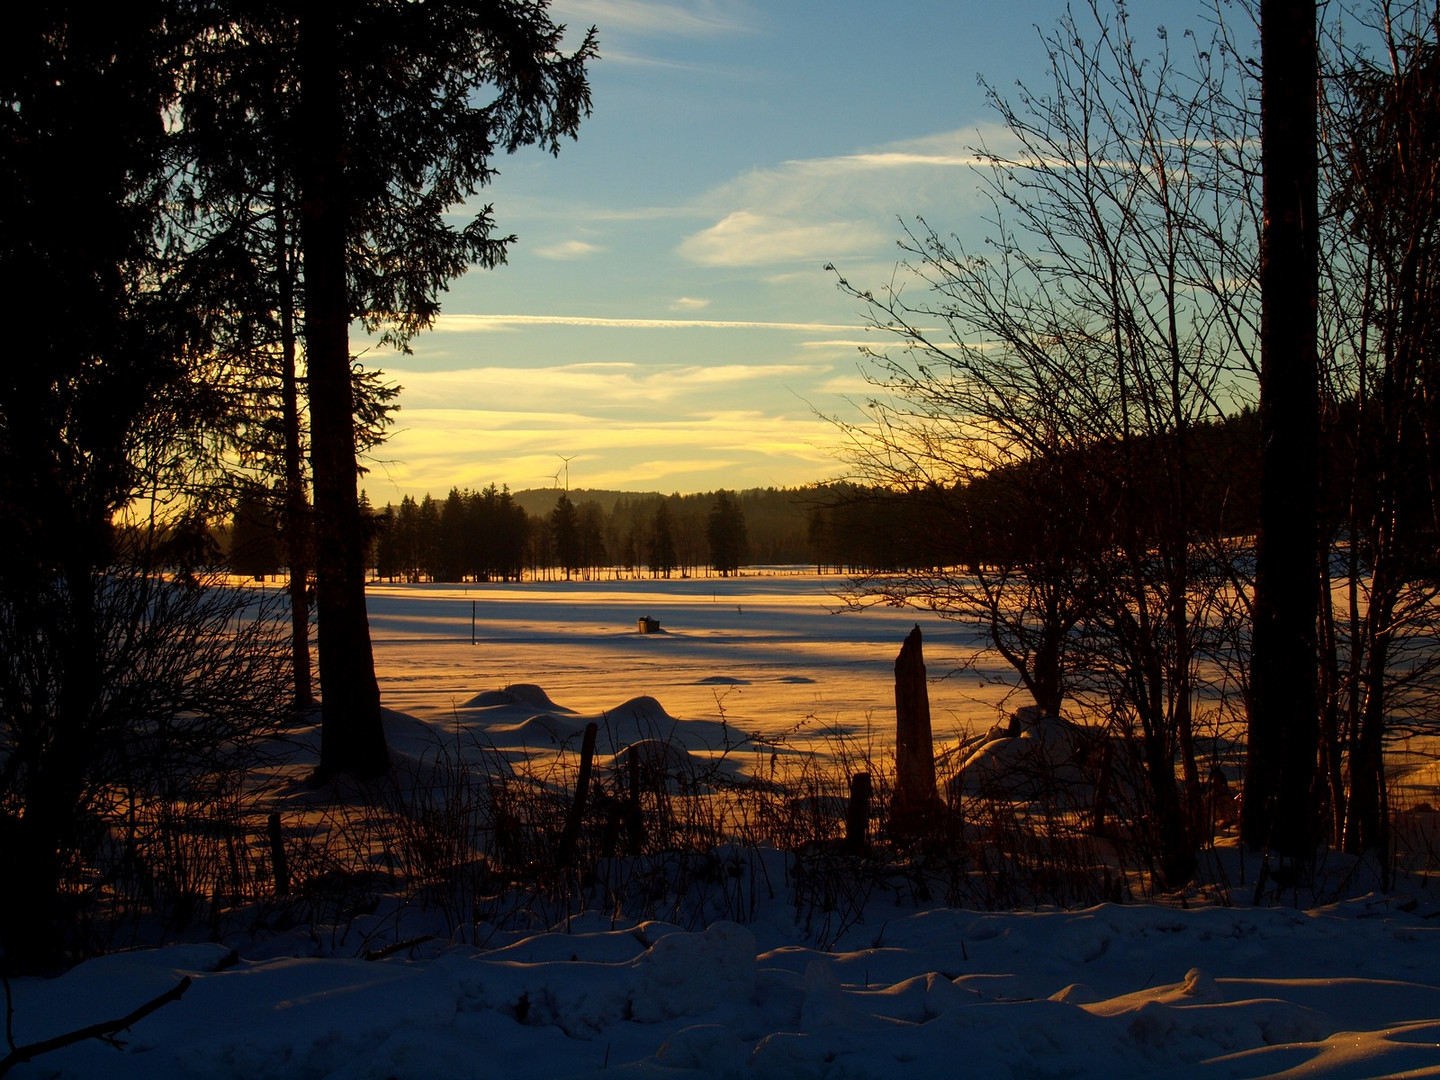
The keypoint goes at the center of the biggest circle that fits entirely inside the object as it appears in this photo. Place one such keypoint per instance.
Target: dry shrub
(473, 834)
(132, 710)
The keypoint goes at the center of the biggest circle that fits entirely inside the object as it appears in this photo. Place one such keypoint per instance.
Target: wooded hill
(842, 527)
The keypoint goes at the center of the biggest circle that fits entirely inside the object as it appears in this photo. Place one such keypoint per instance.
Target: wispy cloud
(567, 250)
(699, 18)
(688, 303)
(838, 206)
(838, 343)
(570, 391)
(464, 323)
(752, 238)
(960, 148)
(848, 385)
(447, 448)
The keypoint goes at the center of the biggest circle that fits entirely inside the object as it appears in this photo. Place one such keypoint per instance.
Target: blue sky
(665, 321)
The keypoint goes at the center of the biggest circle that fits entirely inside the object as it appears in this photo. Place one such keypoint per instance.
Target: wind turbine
(566, 470)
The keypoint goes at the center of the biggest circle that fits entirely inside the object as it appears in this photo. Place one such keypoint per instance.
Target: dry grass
(468, 835)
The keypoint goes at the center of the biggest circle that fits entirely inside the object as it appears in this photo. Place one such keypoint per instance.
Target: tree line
(839, 527)
(489, 535)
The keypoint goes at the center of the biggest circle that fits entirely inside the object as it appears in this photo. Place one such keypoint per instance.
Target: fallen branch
(397, 946)
(21, 1054)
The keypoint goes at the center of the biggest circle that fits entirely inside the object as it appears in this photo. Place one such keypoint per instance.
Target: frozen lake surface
(774, 651)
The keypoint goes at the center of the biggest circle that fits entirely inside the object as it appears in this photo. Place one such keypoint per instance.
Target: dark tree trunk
(352, 739)
(1174, 847)
(915, 803)
(1284, 706)
(42, 839)
(297, 509)
(1047, 679)
(857, 815)
(1367, 809)
(1329, 688)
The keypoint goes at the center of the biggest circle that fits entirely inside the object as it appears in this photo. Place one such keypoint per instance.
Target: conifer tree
(401, 110)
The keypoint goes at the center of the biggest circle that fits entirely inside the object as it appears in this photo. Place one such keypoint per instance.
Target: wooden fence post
(857, 815)
(570, 838)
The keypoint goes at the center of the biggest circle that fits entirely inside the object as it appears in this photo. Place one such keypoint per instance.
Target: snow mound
(1032, 755)
(407, 737)
(638, 719)
(659, 761)
(542, 729)
(681, 974)
(527, 694)
(643, 721)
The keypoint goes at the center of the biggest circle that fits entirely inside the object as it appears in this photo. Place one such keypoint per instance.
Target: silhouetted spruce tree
(726, 530)
(455, 529)
(565, 535)
(240, 189)
(254, 543)
(117, 667)
(401, 109)
(590, 523)
(662, 557)
(80, 127)
(498, 532)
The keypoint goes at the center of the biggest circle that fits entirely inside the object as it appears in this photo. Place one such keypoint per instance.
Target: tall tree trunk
(1332, 755)
(1182, 719)
(1284, 707)
(297, 510)
(352, 739)
(45, 834)
(1367, 812)
(1174, 844)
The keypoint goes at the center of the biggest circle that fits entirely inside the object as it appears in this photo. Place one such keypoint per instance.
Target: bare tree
(1081, 360)
(1380, 171)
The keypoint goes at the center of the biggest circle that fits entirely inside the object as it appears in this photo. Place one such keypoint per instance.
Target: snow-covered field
(768, 650)
(1349, 988)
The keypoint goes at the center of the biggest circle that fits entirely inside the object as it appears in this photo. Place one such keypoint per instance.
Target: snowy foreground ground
(1346, 988)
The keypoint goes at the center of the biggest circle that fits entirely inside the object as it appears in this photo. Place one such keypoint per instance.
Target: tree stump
(915, 808)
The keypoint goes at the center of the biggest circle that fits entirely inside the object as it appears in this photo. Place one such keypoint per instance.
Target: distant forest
(496, 534)
(499, 535)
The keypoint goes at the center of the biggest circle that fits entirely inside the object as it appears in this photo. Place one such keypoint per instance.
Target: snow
(1340, 985)
(1348, 990)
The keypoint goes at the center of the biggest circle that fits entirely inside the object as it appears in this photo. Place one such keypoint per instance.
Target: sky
(665, 321)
